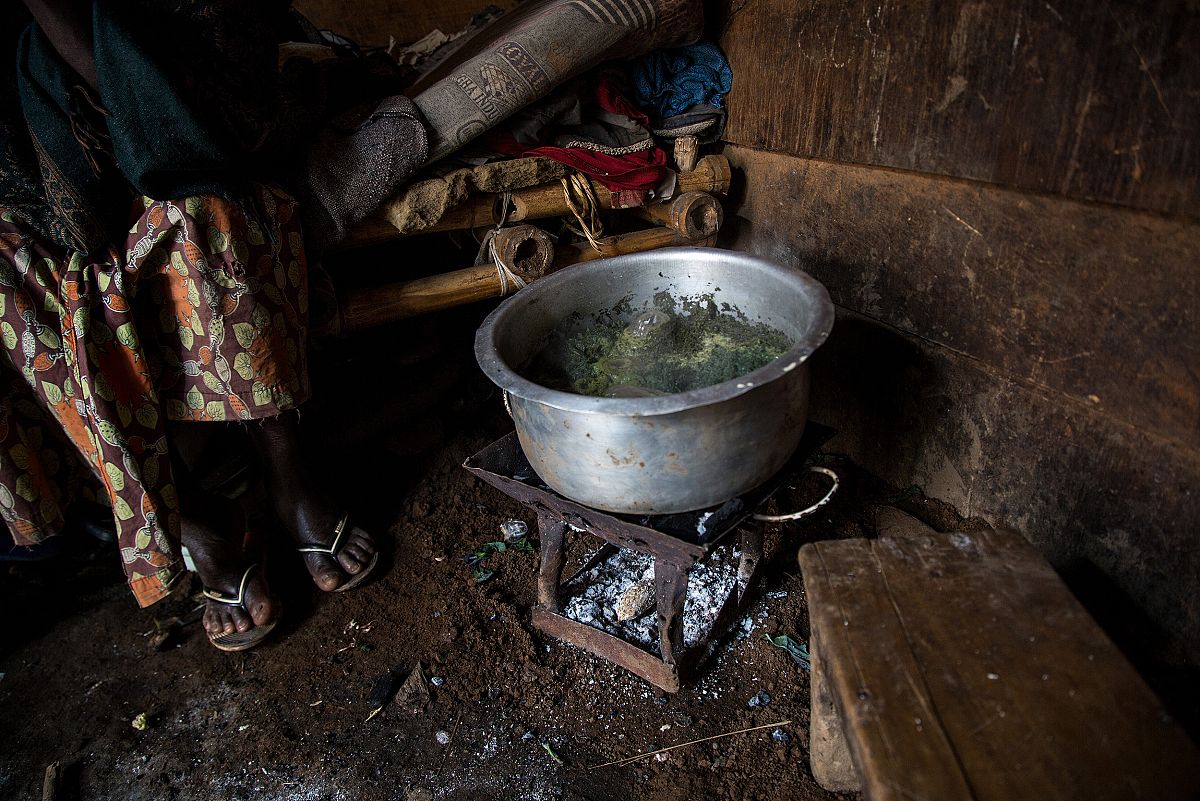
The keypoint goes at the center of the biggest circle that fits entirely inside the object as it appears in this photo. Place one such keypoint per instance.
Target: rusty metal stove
(676, 542)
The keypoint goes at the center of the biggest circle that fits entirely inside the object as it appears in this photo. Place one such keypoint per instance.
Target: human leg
(306, 511)
(213, 531)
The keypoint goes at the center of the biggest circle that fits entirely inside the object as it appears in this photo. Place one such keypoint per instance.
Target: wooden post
(54, 781)
(551, 533)
(686, 149)
(670, 587)
(751, 541)
(828, 751)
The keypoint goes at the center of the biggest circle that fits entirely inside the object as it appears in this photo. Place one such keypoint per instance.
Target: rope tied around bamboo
(583, 204)
(520, 254)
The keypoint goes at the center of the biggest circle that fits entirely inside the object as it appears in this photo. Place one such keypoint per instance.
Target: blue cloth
(668, 82)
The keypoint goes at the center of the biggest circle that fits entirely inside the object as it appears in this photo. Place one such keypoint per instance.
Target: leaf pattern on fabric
(203, 319)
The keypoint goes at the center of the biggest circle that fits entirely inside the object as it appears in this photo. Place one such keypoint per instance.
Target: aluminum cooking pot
(672, 453)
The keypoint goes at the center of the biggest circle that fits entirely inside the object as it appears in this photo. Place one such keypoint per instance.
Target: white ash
(594, 596)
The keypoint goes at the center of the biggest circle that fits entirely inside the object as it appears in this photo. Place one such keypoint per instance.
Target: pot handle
(810, 510)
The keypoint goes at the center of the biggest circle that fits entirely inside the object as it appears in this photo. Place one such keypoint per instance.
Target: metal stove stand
(676, 542)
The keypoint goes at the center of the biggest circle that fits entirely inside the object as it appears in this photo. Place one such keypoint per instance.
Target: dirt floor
(512, 714)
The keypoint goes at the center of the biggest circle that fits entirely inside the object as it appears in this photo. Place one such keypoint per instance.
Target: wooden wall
(1002, 199)
(1094, 100)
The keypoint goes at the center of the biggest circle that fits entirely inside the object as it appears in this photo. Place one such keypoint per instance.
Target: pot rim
(511, 382)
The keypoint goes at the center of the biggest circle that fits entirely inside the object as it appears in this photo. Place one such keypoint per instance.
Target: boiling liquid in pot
(673, 347)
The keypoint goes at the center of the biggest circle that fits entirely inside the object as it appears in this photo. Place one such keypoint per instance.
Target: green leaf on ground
(796, 650)
(553, 755)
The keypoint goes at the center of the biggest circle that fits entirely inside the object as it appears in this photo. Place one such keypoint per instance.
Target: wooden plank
(1097, 303)
(1088, 489)
(983, 643)
(1092, 100)
(1063, 711)
(869, 669)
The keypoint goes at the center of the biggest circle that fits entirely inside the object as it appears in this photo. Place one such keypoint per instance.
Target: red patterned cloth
(203, 317)
(635, 171)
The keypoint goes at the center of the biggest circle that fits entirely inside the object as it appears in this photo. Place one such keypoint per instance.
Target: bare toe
(363, 540)
(261, 606)
(324, 571)
(352, 559)
(212, 621)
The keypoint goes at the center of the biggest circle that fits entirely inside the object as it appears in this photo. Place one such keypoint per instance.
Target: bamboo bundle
(525, 253)
(710, 175)
(365, 308)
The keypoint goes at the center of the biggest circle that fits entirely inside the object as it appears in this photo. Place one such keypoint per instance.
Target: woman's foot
(342, 559)
(311, 520)
(241, 609)
(222, 565)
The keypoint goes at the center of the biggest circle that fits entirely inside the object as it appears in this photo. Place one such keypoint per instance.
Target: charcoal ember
(382, 691)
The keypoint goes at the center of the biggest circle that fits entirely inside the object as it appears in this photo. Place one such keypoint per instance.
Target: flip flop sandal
(335, 548)
(238, 640)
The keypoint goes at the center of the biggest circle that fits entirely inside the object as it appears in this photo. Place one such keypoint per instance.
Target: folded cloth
(669, 82)
(596, 131)
(701, 120)
(644, 169)
(592, 114)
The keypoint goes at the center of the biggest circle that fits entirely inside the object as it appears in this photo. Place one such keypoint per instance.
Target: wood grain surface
(1094, 100)
(1097, 303)
(963, 668)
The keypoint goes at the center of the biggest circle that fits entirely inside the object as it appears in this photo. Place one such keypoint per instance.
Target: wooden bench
(959, 666)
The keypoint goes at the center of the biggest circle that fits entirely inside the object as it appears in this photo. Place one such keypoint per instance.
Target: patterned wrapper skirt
(203, 317)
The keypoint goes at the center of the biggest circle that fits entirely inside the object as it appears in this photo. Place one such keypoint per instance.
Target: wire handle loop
(812, 509)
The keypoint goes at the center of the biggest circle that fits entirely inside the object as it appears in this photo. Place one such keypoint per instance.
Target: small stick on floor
(449, 742)
(627, 760)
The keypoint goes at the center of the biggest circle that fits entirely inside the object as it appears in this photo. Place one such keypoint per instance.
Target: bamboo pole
(369, 307)
(712, 175)
(622, 244)
(529, 251)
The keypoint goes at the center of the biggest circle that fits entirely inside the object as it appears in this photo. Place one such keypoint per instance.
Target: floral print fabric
(203, 317)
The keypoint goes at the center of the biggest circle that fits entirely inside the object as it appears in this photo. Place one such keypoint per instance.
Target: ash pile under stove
(675, 542)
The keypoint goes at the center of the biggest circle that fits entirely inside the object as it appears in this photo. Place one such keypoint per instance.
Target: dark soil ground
(525, 717)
